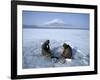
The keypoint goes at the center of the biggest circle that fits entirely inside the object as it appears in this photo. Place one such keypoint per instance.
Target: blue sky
(39, 18)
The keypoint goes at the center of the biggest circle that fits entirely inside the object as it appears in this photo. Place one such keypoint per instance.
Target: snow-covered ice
(33, 38)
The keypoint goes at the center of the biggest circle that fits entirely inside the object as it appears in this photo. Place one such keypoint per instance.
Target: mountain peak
(55, 21)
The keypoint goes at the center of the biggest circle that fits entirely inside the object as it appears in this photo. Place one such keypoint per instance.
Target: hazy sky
(40, 18)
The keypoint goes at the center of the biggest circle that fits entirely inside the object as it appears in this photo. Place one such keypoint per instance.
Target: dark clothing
(67, 52)
(46, 49)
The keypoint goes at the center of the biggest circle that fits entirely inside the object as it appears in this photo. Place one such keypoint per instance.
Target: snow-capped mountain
(55, 23)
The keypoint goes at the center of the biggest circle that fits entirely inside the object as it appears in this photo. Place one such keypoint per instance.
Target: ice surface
(33, 39)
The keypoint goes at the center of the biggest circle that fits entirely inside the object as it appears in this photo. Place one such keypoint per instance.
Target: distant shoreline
(31, 27)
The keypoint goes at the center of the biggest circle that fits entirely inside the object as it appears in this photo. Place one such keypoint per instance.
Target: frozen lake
(33, 38)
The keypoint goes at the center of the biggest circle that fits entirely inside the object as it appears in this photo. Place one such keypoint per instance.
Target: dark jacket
(67, 52)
